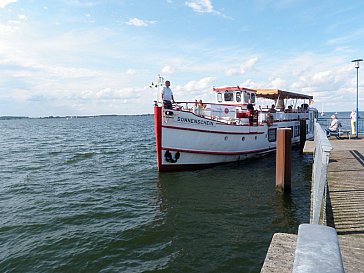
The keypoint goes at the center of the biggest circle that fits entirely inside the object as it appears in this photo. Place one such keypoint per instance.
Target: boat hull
(186, 141)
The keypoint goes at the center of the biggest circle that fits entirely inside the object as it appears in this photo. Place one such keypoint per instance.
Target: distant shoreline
(69, 117)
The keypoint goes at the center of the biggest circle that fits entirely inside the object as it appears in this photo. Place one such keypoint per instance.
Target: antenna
(159, 83)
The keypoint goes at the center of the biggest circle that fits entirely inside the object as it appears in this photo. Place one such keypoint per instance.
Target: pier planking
(346, 200)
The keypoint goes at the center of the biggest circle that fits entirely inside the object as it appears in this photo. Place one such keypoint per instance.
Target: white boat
(189, 137)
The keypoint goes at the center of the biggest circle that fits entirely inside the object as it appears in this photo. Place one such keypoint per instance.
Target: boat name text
(195, 121)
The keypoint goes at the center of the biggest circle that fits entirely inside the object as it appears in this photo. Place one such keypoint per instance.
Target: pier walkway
(345, 211)
(346, 200)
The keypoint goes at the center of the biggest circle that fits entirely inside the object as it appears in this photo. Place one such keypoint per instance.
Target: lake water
(84, 195)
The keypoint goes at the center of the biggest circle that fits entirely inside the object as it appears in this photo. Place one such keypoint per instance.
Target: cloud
(4, 3)
(139, 22)
(241, 69)
(193, 87)
(202, 6)
(167, 70)
(131, 72)
(351, 37)
(12, 25)
(278, 83)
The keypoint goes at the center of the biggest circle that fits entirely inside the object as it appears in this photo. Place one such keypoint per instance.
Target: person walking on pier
(353, 122)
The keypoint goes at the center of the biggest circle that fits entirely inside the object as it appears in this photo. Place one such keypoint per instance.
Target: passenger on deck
(201, 108)
(334, 127)
(272, 109)
(167, 96)
(250, 108)
(289, 109)
(304, 107)
(195, 107)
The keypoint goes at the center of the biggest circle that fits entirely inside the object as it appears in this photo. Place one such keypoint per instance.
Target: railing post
(283, 160)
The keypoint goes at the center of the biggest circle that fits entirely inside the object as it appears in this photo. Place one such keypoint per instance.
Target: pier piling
(283, 160)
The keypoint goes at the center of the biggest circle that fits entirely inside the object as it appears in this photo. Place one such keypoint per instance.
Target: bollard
(302, 134)
(283, 160)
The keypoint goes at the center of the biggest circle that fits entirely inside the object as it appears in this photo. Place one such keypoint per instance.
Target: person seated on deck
(304, 107)
(201, 108)
(195, 107)
(334, 127)
(272, 109)
(289, 109)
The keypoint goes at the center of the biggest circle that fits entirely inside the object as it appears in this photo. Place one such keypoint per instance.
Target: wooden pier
(346, 200)
(345, 211)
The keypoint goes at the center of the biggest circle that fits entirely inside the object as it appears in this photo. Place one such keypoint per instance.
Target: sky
(96, 57)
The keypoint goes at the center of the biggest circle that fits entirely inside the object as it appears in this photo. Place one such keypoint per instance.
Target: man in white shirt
(167, 96)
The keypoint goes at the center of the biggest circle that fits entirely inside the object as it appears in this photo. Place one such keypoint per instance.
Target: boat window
(238, 97)
(228, 96)
(246, 97)
(272, 134)
(296, 130)
(219, 97)
(252, 97)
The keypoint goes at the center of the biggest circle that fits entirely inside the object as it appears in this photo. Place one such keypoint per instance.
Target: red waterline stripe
(216, 153)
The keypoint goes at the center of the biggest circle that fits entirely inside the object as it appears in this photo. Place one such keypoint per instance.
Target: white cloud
(249, 84)
(12, 25)
(139, 22)
(278, 83)
(131, 72)
(4, 29)
(167, 70)
(241, 69)
(196, 86)
(4, 3)
(201, 6)
(108, 94)
(22, 17)
(351, 37)
(323, 77)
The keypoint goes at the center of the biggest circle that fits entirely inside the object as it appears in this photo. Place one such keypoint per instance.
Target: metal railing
(319, 175)
(318, 248)
(345, 122)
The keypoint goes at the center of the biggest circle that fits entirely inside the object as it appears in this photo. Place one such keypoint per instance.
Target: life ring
(269, 119)
(226, 110)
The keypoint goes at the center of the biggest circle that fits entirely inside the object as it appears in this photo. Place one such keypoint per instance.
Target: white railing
(318, 248)
(319, 175)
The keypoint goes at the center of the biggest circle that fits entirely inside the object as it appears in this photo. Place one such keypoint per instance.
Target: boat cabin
(237, 96)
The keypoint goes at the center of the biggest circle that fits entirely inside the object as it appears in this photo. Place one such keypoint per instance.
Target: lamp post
(357, 95)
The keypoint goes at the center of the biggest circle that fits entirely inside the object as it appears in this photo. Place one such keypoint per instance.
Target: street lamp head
(357, 62)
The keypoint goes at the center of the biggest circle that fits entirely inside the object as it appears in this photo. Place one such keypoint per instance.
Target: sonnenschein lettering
(195, 121)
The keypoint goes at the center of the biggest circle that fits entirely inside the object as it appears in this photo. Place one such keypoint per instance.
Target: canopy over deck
(232, 88)
(274, 94)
